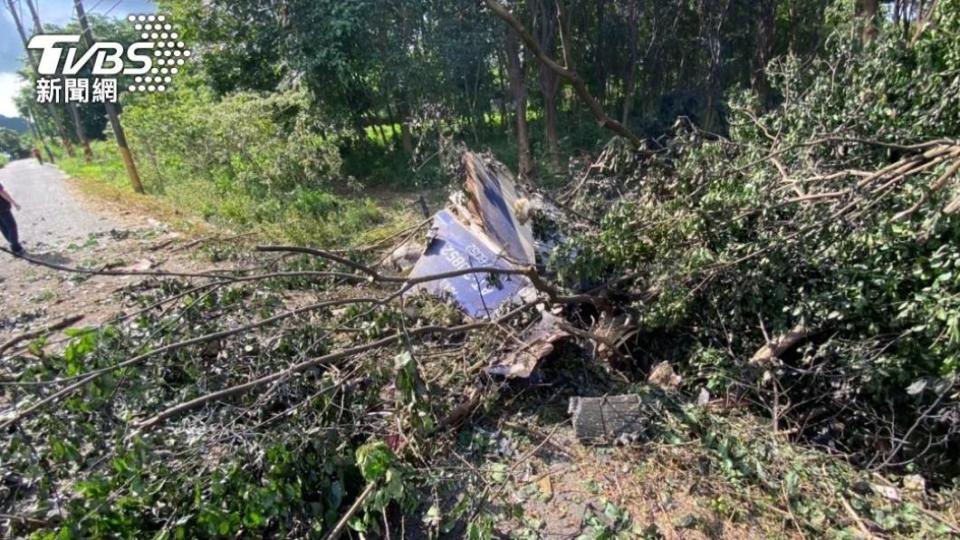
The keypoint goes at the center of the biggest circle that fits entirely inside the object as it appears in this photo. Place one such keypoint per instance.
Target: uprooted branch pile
(805, 268)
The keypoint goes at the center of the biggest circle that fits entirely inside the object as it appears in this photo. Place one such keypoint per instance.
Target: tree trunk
(71, 107)
(406, 138)
(630, 79)
(712, 13)
(401, 115)
(762, 49)
(504, 96)
(518, 89)
(51, 111)
(38, 134)
(550, 117)
(125, 154)
(545, 20)
(382, 132)
(867, 10)
(566, 73)
(81, 135)
(599, 55)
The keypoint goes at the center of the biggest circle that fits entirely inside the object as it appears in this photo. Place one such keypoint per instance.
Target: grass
(106, 179)
(389, 179)
(196, 206)
(382, 163)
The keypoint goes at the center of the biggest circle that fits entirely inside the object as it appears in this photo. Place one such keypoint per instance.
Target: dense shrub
(781, 226)
(247, 159)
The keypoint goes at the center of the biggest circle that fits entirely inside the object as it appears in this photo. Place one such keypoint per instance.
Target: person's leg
(8, 226)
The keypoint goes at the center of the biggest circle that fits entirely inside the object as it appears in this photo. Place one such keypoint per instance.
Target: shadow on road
(50, 258)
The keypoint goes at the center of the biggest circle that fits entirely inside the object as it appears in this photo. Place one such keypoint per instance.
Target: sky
(51, 11)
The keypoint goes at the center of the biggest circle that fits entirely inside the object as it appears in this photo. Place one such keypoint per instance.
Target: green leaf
(374, 459)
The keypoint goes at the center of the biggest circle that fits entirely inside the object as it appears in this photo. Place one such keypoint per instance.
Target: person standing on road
(8, 225)
(36, 154)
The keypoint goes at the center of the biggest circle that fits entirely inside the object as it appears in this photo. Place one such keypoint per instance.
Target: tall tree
(712, 15)
(763, 48)
(71, 107)
(600, 52)
(51, 110)
(867, 10)
(566, 73)
(545, 15)
(518, 90)
(633, 53)
(38, 133)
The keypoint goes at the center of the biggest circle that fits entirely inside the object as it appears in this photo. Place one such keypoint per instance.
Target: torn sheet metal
(494, 200)
(489, 227)
(455, 247)
(537, 343)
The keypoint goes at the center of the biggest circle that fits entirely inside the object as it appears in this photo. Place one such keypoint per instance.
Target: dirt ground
(61, 226)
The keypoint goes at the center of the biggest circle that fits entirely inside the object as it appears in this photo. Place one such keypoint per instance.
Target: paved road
(52, 217)
(58, 225)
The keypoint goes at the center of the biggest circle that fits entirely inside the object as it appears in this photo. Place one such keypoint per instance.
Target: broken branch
(773, 349)
(90, 376)
(59, 325)
(325, 359)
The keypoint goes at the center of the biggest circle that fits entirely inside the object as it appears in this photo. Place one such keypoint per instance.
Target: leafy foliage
(198, 481)
(786, 225)
(10, 142)
(827, 213)
(243, 161)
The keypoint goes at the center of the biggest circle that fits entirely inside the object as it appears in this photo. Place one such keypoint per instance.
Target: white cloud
(10, 84)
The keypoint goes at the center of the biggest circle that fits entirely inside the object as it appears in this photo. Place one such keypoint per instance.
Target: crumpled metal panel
(494, 200)
(455, 247)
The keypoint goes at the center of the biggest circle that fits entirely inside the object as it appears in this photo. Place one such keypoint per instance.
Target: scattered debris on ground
(444, 384)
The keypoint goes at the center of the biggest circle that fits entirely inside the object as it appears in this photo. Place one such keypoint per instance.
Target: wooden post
(111, 109)
(71, 107)
(33, 62)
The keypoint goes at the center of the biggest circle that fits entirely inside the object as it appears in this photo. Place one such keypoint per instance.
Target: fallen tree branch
(837, 139)
(341, 525)
(59, 325)
(90, 376)
(856, 518)
(304, 273)
(936, 186)
(452, 420)
(329, 256)
(407, 283)
(213, 238)
(529, 272)
(383, 241)
(325, 359)
(776, 347)
(92, 272)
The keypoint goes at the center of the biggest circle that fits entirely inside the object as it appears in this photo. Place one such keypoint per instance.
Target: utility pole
(33, 61)
(71, 107)
(111, 108)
